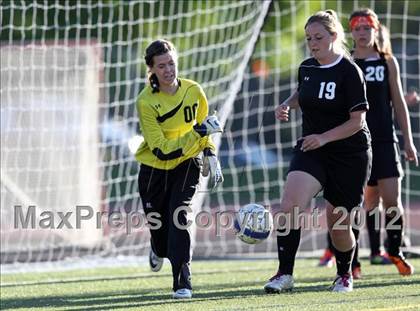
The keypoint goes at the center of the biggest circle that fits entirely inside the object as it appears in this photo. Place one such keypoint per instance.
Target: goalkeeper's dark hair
(156, 48)
(382, 43)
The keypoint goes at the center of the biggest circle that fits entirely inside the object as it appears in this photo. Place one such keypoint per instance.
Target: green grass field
(218, 285)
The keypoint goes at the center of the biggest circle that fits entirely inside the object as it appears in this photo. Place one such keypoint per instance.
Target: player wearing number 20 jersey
(386, 155)
(379, 117)
(373, 53)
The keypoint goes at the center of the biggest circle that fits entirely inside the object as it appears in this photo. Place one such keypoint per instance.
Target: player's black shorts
(343, 176)
(386, 162)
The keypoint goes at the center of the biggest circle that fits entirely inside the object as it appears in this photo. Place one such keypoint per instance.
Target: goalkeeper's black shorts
(343, 176)
(165, 192)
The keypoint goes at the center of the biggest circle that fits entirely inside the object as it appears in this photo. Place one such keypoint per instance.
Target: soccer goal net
(256, 148)
(70, 75)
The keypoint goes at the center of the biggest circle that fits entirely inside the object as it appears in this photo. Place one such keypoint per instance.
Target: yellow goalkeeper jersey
(166, 122)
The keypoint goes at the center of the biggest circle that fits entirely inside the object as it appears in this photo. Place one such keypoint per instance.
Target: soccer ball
(253, 223)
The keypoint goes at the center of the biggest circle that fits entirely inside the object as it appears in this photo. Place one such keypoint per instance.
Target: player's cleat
(403, 266)
(279, 283)
(380, 259)
(343, 284)
(182, 293)
(327, 260)
(356, 273)
(155, 262)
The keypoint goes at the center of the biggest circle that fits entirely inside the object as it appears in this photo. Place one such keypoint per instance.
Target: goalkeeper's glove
(209, 126)
(211, 166)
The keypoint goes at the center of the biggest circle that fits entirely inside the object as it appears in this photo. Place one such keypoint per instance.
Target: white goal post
(70, 75)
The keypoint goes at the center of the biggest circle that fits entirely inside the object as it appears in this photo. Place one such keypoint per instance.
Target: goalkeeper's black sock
(181, 276)
(374, 232)
(344, 260)
(287, 246)
(394, 233)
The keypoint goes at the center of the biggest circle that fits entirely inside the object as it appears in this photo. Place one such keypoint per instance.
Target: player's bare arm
(400, 108)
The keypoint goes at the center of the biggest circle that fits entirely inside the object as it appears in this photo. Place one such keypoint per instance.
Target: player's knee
(293, 202)
(342, 238)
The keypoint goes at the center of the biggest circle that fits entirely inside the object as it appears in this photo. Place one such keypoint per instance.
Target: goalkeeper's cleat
(403, 266)
(182, 293)
(343, 284)
(327, 260)
(155, 262)
(380, 259)
(279, 283)
(356, 273)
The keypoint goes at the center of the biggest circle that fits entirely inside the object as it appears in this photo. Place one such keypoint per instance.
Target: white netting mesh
(70, 75)
(256, 149)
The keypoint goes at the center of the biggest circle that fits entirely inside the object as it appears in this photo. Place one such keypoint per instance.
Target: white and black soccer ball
(253, 223)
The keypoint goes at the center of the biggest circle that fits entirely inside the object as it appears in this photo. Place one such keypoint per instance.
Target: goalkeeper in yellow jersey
(174, 121)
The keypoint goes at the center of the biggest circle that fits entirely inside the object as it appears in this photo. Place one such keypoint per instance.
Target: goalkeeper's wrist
(208, 152)
(201, 129)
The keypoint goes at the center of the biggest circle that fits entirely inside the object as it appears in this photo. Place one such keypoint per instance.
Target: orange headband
(363, 20)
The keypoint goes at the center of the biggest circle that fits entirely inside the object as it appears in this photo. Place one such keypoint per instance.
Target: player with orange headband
(358, 20)
(373, 54)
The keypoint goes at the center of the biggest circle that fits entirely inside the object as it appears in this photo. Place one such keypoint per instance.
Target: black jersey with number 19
(327, 96)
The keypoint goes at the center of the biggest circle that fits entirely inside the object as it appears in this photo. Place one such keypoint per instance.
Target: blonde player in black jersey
(373, 53)
(334, 153)
(174, 121)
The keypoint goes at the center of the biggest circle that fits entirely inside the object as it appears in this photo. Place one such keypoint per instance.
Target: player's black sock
(344, 260)
(355, 262)
(330, 245)
(287, 246)
(374, 233)
(394, 233)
